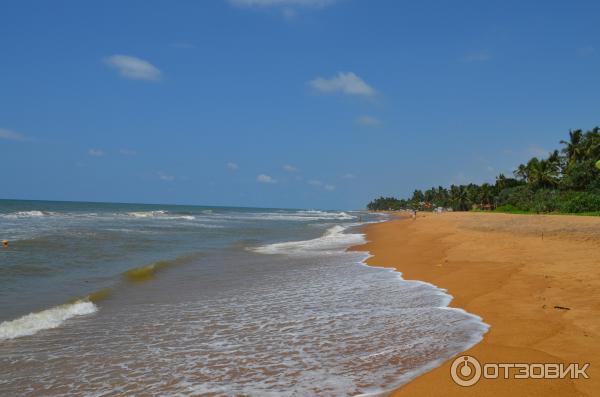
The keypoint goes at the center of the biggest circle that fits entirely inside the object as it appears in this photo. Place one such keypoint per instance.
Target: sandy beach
(534, 279)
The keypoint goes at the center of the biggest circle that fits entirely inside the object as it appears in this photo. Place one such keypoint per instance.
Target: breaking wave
(305, 215)
(333, 240)
(46, 319)
(160, 214)
(28, 214)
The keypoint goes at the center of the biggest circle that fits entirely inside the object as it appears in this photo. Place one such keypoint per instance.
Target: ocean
(121, 299)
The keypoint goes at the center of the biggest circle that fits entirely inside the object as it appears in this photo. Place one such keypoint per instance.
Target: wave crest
(333, 240)
(145, 273)
(29, 214)
(46, 319)
(161, 214)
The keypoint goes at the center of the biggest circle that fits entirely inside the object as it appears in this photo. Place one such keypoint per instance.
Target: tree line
(567, 180)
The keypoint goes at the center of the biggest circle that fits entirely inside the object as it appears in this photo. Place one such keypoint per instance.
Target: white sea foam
(303, 215)
(147, 214)
(324, 325)
(160, 214)
(46, 319)
(333, 240)
(28, 214)
(188, 217)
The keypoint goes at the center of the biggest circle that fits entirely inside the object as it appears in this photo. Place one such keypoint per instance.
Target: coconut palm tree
(573, 147)
(486, 195)
(459, 198)
(543, 173)
(522, 172)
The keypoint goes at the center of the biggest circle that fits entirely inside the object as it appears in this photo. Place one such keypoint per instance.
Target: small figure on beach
(414, 214)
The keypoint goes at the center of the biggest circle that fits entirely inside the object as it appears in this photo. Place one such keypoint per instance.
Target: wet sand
(513, 271)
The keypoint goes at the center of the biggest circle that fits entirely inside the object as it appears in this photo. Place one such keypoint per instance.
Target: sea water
(121, 299)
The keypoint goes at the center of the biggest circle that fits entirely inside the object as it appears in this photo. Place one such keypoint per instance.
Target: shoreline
(518, 274)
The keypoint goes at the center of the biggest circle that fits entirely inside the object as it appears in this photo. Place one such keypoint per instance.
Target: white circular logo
(465, 371)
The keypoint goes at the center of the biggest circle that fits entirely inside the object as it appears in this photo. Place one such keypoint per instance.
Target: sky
(285, 103)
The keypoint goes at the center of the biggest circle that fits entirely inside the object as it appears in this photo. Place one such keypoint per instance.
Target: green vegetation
(567, 181)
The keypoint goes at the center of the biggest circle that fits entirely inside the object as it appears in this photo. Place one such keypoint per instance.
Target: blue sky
(285, 103)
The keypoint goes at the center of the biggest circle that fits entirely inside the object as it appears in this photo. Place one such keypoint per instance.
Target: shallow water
(269, 303)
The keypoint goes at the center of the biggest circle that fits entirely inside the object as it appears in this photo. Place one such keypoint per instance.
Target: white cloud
(96, 152)
(480, 56)
(133, 68)
(368, 121)
(320, 184)
(127, 152)
(165, 177)
(282, 3)
(290, 168)
(232, 166)
(348, 176)
(11, 135)
(262, 178)
(346, 83)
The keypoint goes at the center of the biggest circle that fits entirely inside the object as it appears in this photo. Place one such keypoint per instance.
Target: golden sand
(520, 273)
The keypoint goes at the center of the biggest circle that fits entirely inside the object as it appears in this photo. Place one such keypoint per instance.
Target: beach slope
(534, 279)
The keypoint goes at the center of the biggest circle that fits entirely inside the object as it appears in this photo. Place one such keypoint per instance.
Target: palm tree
(459, 198)
(573, 149)
(543, 173)
(522, 172)
(486, 195)
(591, 144)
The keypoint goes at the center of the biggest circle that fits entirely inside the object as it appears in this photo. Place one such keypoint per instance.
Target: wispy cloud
(368, 121)
(96, 152)
(262, 178)
(11, 135)
(344, 82)
(163, 176)
(478, 56)
(290, 168)
(232, 166)
(320, 184)
(133, 68)
(348, 176)
(127, 152)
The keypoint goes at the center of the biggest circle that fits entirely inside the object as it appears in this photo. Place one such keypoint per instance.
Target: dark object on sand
(562, 308)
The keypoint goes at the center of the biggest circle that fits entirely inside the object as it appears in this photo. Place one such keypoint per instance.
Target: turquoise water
(209, 301)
